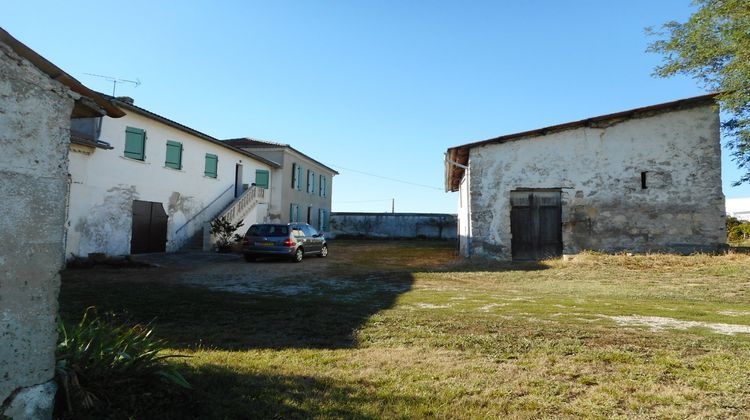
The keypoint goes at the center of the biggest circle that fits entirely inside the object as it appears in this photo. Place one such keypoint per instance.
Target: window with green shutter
(174, 155)
(293, 213)
(310, 181)
(294, 175)
(212, 164)
(322, 189)
(135, 143)
(323, 220)
(261, 178)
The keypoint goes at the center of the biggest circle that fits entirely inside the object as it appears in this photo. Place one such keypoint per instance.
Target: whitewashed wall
(599, 173)
(105, 183)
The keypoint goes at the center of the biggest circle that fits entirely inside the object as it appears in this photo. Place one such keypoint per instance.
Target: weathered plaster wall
(34, 136)
(599, 172)
(105, 183)
(394, 225)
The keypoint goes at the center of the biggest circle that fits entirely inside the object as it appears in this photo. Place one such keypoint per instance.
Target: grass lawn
(406, 329)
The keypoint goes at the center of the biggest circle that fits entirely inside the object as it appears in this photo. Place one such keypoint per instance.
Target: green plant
(225, 232)
(740, 232)
(98, 361)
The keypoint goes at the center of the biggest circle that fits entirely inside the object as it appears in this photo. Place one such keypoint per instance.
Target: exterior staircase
(237, 210)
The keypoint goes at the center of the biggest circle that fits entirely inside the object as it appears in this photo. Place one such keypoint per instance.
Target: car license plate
(264, 243)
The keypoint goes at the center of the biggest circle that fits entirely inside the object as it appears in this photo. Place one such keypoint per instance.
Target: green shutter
(293, 213)
(261, 178)
(299, 177)
(174, 155)
(135, 143)
(212, 164)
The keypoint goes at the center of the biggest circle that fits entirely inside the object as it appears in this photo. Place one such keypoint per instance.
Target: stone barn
(643, 180)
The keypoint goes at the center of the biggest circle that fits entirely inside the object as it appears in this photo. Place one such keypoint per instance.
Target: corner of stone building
(33, 402)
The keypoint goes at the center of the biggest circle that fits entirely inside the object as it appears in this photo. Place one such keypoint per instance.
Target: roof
(457, 158)
(251, 143)
(91, 105)
(146, 113)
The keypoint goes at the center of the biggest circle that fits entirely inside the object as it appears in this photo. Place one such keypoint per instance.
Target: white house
(145, 183)
(647, 179)
(739, 208)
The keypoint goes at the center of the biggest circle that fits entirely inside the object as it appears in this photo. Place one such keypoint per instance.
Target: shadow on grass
(258, 395)
(193, 317)
(221, 393)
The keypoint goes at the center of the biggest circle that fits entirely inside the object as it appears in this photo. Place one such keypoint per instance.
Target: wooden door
(149, 233)
(536, 224)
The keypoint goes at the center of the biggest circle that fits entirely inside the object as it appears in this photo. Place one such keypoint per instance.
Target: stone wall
(598, 170)
(394, 225)
(34, 138)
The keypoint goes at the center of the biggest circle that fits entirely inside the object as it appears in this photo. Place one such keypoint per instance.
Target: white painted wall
(599, 173)
(105, 183)
(464, 222)
(739, 208)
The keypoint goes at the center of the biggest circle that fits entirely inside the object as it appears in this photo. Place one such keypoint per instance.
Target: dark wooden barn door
(536, 224)
(149, 228)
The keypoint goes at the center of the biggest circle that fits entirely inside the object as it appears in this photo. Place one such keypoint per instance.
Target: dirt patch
(658, 323)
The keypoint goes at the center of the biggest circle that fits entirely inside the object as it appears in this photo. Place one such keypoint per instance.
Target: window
(174, 155)
(293, 213)
(261, 178)
(212, 165)
(322, 189)
(643, 180)
(323, 220)
(310, 181)
(135, 143)
(296, 176)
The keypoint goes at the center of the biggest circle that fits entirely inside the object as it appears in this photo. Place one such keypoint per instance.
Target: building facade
(149, 184)
(643, 180)
(304, 186)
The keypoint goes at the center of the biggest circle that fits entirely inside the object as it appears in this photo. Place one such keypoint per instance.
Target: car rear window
(268, 230)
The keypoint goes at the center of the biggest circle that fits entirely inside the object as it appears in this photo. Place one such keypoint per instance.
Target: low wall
(394, 225)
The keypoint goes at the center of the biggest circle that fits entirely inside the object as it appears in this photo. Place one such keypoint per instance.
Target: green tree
(713, 47)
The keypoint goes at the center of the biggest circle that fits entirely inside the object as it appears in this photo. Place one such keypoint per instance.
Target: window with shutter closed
(135, 143)
(174, 155)
(261, 178)
(212, 165)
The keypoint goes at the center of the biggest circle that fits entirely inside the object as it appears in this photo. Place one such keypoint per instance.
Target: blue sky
(382, 87)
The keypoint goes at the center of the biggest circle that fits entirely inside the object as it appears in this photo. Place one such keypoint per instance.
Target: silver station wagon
(292, 240)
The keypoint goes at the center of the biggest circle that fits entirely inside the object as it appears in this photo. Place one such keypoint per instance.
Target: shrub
(740, 232)
(225, 232)
(100, 364)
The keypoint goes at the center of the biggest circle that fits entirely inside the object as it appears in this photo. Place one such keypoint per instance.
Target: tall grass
(100, 362)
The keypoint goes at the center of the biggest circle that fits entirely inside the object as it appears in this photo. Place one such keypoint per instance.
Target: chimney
(126, 99)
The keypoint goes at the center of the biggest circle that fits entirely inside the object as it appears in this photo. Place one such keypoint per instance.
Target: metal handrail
(231, 187)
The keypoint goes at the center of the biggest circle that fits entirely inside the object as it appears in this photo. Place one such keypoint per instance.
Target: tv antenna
(115, 81)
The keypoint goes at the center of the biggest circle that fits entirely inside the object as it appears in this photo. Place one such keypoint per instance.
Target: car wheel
(323, 251)
(298, 255)
(249, 258)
